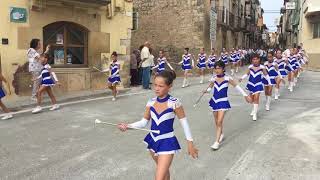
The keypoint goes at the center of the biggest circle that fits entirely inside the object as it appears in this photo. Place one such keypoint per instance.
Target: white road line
(240, 166)
(77, 102)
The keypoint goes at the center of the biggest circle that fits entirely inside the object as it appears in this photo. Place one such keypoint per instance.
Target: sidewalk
(23, 102)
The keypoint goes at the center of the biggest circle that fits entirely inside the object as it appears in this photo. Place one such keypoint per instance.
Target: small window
(69, 44)
(135, 22)
(316, 30)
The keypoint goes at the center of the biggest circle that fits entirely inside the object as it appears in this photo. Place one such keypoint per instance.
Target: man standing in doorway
(146, 65)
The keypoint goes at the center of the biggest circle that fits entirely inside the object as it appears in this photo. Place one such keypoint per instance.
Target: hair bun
(173, 75)
(114, 53)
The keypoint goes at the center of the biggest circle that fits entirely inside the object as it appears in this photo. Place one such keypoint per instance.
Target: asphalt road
(283, 144)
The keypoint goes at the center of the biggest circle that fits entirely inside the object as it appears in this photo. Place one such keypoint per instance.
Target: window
(316, 30)
(135, 22)
(69, 44)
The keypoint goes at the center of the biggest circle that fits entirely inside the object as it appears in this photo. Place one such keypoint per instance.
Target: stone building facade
(82, 34)
(175, 24)
(172, 25)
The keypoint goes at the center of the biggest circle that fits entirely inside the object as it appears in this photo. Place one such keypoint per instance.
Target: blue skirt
(255, 89)
(283, 73)
(219, 106)
(114, 80)
(2, 93)
(47, 82)
(211, 65)
(186, 67)
(272, 80)
(201, 66)
(162, 146)
(225, 61)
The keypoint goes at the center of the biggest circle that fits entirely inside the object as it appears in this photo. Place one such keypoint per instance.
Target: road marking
(265, 137)
(241, 165)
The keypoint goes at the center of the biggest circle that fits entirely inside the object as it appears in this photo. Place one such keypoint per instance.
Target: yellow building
(82, 34)
(309, 31)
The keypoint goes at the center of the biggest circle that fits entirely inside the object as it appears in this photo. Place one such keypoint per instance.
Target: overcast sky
(269, 18)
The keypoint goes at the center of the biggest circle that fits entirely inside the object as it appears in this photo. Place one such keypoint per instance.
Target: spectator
(134, 68)
(146, 65)
(35, 66)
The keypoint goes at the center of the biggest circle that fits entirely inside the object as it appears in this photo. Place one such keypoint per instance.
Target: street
(283, 144)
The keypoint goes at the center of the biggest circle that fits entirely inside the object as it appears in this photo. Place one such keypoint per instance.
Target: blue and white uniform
(224, 58)
(302, 60)
(202, 61)
(115, 73)
(281, 66)
(272, 72)
(255, 84)
(238, 56)
(233, 57)
(292, 63)
(219, 100)
(211, 61)
(298, 62)
(165, 142)
(2, 93)
(186, 62)
(46, 78)
(161, 64)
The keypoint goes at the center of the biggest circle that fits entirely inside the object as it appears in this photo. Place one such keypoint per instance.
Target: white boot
(184, 82)
(276, 94)
(252, 112)
(7, 116)
(37, 109)
(291, 86)
(295, 81)
(268, 103)
(255, 114)
(201, 79)
(237, 69)
(232, 72)
(215, 146)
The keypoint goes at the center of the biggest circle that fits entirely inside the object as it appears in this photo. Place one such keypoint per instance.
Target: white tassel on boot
(276, 94)
(184, 82)
(291, 86)
(232, 72)
(201, 79)
(252, 111)
(187, 83)
(295, 81)
(268, 103)
(255, 114)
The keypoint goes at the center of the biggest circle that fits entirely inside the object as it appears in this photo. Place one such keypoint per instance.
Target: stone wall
(172, 25)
